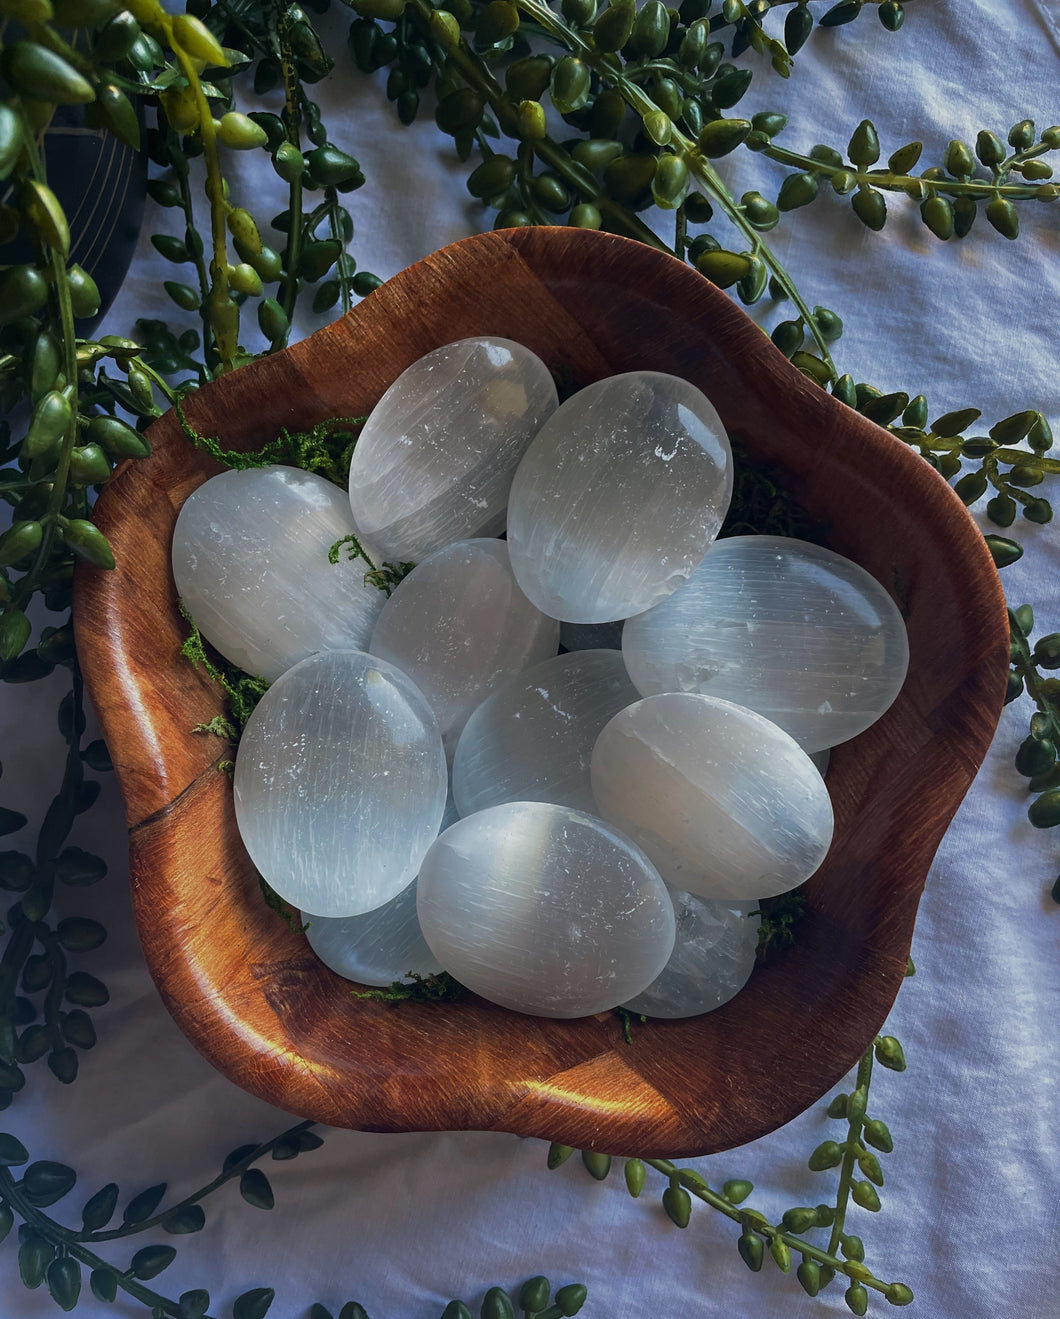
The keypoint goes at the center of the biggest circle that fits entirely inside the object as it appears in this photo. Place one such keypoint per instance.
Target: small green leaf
(12, 1151)
(737, 1190)
(44, 1182)
(63, 1277)
(253, 1304)
(497, 1304)
(570, 1299)
(596, 1164)
(34, 1256)
(678, 1205)
(184, 1219)
(99, 1208)
(151, 1260)
(194, 1304)
(103, 1283)
(255, 1189)
(142, 1206)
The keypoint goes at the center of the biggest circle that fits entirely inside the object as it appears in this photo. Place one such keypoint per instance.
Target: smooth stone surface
(250, 561)
(544, 910)
(459, 626)
(797, 632)
(340, 783)
(532, 739)
(377, 947)
(435, 459)
(712, 960)
(618, 497)
(725, 803)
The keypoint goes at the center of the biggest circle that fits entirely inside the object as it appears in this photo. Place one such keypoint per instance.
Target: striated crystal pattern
(377, 947)
(797, 632)
(544, 910)
(435, 459)
(250, 561)
(340, 783)
(459, 626)
(712, 960)
(724, 802)
(618, 497)
(533, 738)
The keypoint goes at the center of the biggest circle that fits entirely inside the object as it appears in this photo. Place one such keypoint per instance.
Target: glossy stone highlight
(435, 459)
(802, 635)
(459, 626)
(544, 910)
(377, 947)
(250, 562)
(712, 960)
(618, 497)
(533, 738)
(340, 783)
(724, 803)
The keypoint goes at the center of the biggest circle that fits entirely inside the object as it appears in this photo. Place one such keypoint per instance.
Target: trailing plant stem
(698, 164)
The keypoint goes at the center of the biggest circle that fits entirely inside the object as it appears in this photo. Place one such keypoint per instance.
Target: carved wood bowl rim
(248, 992)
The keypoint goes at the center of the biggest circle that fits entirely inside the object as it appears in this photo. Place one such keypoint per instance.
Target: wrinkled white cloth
(404, 1223)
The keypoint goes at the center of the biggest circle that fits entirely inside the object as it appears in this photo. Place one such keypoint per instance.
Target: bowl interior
(249, 993)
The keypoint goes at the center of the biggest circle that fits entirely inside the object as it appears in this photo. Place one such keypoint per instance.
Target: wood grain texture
(251, 996)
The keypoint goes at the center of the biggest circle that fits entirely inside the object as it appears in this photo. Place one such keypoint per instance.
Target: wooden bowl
(249, 993)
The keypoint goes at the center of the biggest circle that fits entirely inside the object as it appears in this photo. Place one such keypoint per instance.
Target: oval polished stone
(724, 802)
(459, 625)
(435, 459)
(250, 561)
(544, 910)
(712, 960)
(378, 947)
(533, 738)
(618, 497)
(797, 632)
(340, 783)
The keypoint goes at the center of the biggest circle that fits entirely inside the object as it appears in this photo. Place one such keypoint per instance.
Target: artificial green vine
(860, 1174)
(647, 106)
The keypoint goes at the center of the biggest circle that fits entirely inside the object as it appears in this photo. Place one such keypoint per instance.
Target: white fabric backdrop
(403, 1223)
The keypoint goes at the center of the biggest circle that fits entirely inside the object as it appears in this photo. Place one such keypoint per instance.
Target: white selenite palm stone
(434, 461)
(618, 497)
(724, 802)
(712, 960)
(544, 910)
(340, 783)
(802, 635)
(459, 626)
(250, 561)
(377, 947)
(533, 738)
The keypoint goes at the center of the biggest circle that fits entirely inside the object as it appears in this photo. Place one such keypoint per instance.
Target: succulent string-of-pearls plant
(611, 825)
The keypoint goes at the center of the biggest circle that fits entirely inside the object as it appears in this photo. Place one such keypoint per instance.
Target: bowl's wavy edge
(577, 1084)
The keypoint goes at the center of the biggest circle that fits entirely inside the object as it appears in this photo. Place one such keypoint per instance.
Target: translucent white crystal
(435, 459)
(340, 783)
(250, 562)
(375, 948)
(459, 626)
(802, 635)
(380, 946)
(532, 739)
(724, 802)
(544, 910)
(618, 497)
(712, 960)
